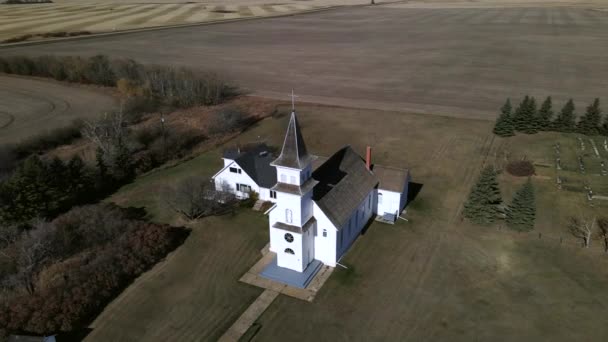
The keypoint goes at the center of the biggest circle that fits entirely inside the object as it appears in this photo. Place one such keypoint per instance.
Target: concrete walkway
(255, 310)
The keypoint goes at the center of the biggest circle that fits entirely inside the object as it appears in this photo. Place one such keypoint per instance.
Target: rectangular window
(243, 188)
(283, 178)
(234, 170)
(292, 180)
(379, 198)
(324, 232)
(273, 194)
(238, 187)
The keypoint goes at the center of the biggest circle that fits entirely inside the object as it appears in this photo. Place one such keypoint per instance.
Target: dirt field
(33, 106)
(433, 278)
(459, 62)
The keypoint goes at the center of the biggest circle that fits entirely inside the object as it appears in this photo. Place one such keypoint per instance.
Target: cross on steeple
(293, 101)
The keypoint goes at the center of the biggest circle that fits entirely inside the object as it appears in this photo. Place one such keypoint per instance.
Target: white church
(321, 204)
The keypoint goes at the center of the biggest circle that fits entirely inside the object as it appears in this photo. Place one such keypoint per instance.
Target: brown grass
(435, 277)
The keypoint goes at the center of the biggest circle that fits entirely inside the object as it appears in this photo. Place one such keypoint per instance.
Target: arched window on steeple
(288, 216)
(289, 251)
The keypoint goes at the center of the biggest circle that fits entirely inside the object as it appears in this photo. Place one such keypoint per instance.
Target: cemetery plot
(581, 166)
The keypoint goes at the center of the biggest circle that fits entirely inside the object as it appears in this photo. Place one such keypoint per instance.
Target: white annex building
(321, 204)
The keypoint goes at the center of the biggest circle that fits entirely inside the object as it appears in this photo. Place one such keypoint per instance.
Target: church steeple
(293, 154)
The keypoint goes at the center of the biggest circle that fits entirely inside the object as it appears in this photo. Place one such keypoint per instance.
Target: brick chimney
(368, 158)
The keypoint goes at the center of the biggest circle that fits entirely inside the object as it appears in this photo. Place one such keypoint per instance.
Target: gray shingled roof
(294, 154)
(255, 161)
(391, 178)
(344, 182)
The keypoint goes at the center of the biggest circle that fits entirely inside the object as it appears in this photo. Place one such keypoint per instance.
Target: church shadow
(412, 192)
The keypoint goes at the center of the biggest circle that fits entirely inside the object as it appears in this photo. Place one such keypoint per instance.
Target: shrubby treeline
(529, 118)
(157, 85)
(56, 276)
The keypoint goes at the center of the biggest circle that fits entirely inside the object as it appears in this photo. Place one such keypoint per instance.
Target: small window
(289, 251)
(238, 187)
(288, 237)
(379, 198)
(243, 188)
(292, 180)
(324, 232)
(234, 170)
(273, 194)
(283, 178)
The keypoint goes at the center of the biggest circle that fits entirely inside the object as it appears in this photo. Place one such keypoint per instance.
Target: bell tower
(292, 223)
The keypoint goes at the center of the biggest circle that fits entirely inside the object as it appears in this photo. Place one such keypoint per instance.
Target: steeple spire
(294, 154)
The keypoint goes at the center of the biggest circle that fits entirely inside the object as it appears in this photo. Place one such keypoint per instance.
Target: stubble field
(29, 107)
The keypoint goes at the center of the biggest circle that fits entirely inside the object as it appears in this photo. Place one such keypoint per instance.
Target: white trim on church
(322, 204)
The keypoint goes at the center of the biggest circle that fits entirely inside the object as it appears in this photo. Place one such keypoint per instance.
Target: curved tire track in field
(34, 106)
(8, 121)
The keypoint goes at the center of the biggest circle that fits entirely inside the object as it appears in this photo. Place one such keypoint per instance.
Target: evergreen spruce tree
(521, 213)
(531, 118)
(519, 116)
(566, 120)
(524, 118)
(504, 123)
(482, 205)
(589, 123)
(605, 126)
(545, 114)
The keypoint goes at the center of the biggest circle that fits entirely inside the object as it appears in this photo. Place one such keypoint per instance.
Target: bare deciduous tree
(194, 198)
(107, 132)
(582, 228)
(602, 225)
(29, 254)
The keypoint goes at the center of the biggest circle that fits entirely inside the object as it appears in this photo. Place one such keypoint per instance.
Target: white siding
(293, 176)
(232, 179)
(278, 245)
(388, 202)
(325, 246)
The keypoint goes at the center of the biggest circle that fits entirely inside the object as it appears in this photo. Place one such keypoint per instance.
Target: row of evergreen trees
(43, 189)
(529, 119)
(484, 204)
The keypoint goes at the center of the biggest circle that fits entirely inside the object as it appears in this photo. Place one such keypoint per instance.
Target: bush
(20, 65)
(98, 71)
(7, 160)
(85, 281)
(521, 168)
(161, 148)
(228, 120)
